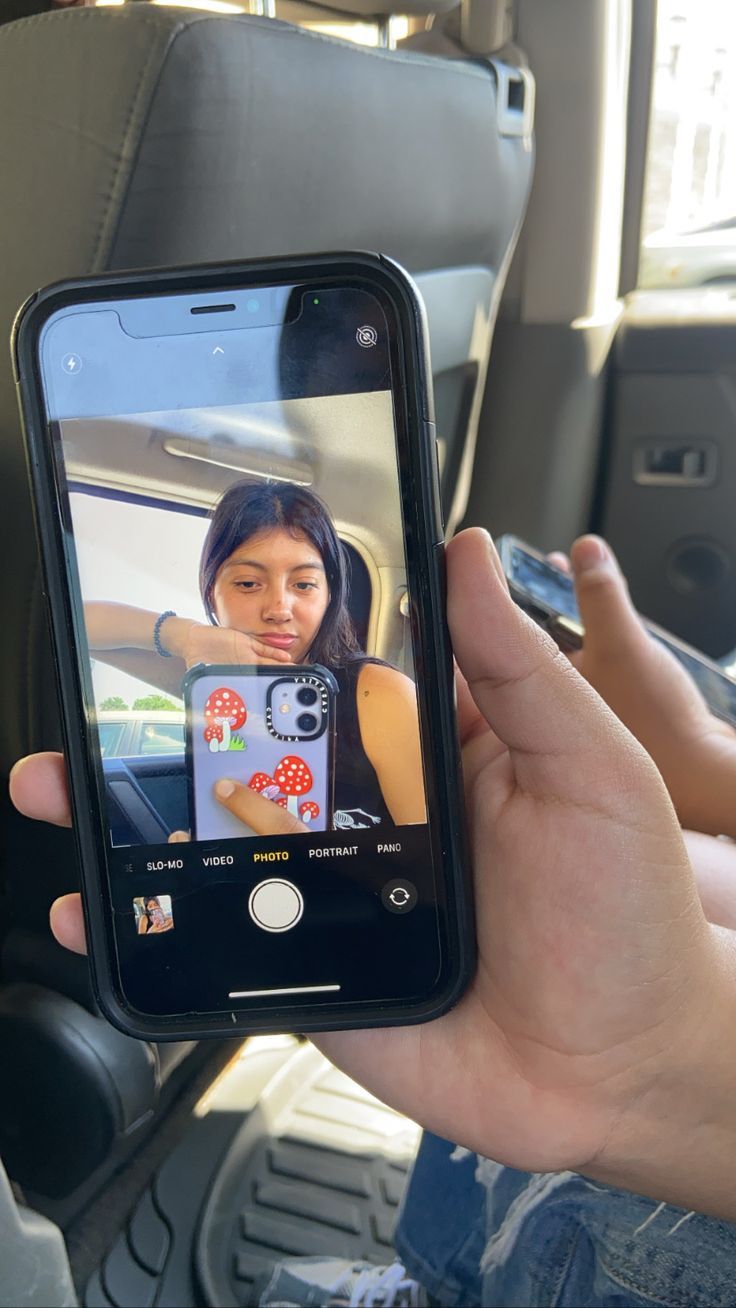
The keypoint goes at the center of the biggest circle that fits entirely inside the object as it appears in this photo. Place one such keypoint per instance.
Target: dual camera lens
(307, 722)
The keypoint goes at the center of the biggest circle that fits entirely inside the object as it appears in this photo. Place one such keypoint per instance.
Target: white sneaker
(328, 1282)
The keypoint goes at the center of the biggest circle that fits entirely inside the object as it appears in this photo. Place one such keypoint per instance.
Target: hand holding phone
(676, 701)
(234, 473)
(583, 1007)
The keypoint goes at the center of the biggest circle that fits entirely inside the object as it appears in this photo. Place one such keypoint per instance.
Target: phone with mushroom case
(272, 729)
(236, 486)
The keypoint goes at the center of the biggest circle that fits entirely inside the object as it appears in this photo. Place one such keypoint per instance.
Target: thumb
(262, 816)
(613, 628)
(565, 744)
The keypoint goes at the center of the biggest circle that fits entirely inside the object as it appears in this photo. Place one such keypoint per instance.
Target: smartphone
(235, 480)
(274, 731)
(548, 594)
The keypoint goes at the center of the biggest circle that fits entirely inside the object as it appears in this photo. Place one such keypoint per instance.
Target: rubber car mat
(287, 1157)
(318, 1167)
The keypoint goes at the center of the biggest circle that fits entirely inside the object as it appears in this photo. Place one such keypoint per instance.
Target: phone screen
(231, 484)
(542, 582)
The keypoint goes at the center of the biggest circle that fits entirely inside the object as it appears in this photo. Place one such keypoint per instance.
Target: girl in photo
(152, 919)
(273, 582)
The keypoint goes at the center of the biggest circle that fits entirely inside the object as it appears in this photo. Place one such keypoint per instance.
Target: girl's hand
(652, 693)
(262, 816)
(197, 642)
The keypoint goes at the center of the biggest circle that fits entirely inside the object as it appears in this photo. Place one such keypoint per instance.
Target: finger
(612, 625)
(559, 731)
(67, 923)
(263, 816)
(246, 648)
(559, 560)
(714, 865)
(268, 654)
(179, 837)
(39, 789)
(471, 722)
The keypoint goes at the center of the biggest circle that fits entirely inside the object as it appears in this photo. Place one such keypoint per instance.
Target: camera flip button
(275, 904)
(399, 896)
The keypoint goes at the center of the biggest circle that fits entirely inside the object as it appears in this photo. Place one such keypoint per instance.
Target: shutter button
(275, 905)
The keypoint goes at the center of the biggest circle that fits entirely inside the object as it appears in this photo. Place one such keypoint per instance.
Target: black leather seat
(142, 136)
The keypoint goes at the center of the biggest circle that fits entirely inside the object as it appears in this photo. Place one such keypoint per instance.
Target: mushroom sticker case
(270, 729)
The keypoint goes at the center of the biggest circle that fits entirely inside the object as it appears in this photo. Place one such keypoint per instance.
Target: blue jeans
(473, 1232)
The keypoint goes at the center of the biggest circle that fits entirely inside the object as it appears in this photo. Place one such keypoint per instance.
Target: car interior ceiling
(498, 153)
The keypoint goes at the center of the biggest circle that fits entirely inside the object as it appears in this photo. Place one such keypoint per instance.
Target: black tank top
(358, 798)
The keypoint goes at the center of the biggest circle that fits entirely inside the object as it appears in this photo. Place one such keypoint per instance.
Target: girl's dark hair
(150, 899)
(250, 508)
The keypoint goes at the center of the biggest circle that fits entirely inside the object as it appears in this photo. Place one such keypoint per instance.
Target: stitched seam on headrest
(438, 63)
(147, 16)
(130, 145)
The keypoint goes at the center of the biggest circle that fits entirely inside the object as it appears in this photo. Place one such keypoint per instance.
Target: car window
(162, 738)
(111, 735)
(689, 216)
(362, 33)
(174, 537)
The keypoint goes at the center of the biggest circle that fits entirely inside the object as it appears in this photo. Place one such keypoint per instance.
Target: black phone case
(419, 488)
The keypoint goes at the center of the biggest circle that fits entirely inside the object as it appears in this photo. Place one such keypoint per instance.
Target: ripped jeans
(476, 1233)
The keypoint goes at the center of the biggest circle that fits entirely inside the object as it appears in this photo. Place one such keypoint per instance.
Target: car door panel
(666, 498)
(148, 798)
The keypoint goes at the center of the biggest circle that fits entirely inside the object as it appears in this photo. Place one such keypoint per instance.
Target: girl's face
(274, 586)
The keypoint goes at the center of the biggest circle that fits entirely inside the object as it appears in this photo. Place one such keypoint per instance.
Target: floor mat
(287, 1157)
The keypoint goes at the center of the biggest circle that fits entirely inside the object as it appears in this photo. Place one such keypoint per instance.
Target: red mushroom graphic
(265, 785)
(259, 781)
(224, 713)
(308, 810)
(294, 778)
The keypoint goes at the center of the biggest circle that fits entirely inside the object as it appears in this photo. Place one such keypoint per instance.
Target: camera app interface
(244, 611)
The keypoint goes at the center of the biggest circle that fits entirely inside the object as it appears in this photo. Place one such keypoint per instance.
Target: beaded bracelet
(160, 620)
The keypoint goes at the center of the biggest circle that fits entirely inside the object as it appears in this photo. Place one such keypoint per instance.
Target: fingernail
(589, 552)
(224, 788)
